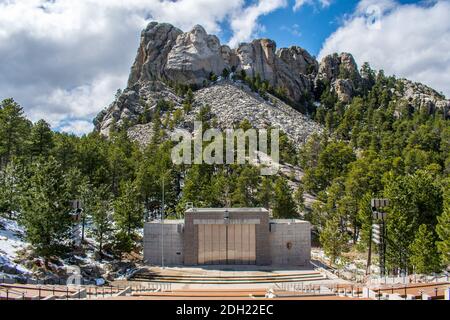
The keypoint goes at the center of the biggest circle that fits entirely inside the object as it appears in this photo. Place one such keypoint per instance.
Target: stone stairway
(148, 276)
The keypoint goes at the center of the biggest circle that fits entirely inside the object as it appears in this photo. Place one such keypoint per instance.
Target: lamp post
(380, 232)
(162, 224)
(227, 221)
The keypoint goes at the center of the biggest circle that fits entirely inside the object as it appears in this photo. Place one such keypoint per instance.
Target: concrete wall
(263, 242)
(181, 240)
(290, 243)
(173, 243)
(262, 233)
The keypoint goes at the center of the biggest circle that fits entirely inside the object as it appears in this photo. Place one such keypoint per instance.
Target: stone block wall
(290, 243)
(278, 242)
(173, 244)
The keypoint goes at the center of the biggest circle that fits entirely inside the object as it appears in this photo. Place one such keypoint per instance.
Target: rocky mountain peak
(341, 72)
(168, 57)
(336, 65)
(193, 57)
(157, 40)
(168, 54)
(299, 59)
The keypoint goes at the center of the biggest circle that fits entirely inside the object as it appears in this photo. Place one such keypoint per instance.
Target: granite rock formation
(168, 56)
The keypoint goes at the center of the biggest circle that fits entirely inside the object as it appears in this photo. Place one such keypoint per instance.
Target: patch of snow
(11, 241)
(127, 274)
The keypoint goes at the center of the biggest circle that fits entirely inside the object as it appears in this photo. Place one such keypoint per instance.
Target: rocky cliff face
(193, 57)
(427, 99)
(167, 55)
(157, 40)
(341, 72)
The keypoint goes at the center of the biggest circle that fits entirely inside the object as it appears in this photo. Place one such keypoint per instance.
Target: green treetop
(424, 255)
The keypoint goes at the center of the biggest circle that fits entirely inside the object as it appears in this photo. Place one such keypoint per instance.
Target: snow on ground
(11, 241)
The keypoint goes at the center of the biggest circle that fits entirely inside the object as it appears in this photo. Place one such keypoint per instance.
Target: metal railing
(14, 289)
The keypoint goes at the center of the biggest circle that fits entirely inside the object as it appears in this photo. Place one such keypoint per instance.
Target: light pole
(162, 224)
(378, 233)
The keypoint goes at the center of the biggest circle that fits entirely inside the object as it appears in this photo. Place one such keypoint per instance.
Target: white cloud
(65, 59)
(300, 3)
(60, 105)
(78, 127)
(245, 24)
(411, 41)
(294, 30)
(383, 5)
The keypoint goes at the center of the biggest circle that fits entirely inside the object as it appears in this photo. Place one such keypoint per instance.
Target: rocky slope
(167, 57)
(231, 103)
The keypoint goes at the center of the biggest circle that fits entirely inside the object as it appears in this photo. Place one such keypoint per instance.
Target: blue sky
(63, 60)
(314, 23)
(307, 27)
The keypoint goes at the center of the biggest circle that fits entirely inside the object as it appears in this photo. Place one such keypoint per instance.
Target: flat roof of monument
(230, 210)
(289, 221)
(166, 221)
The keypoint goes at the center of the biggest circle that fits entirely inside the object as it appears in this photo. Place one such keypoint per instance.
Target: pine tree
(283, 203)
(443, 230)
(369, 77)
(423, 253)
(158, 132)
(414, 200)
(265, 193)
(399, 236)
(212, 77)
(332, 160)
(245, 191)
(45, 206)
(119, 159)
(65, 150)
(128, 215)
(14, 129)
(98, 207)
(365, 219)
(189, 99)
(82, 190)
(92, 156)
(299, 198)
(10, 181)
(334, 241)
(196, 188)
(41, 139)
(226, 73)
(147, 178)
(219, 196)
